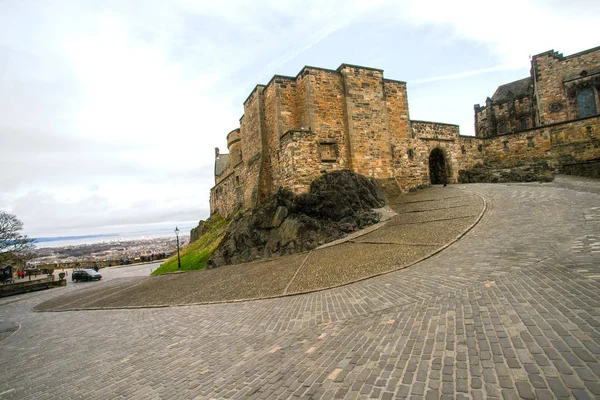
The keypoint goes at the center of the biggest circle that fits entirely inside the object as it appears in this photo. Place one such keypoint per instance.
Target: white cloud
(465, 74)
(111, 110)
(514, 29)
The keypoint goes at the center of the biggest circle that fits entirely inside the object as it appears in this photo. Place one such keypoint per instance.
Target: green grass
(195, 255)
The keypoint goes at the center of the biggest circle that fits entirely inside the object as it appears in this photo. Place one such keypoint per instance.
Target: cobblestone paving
(427, 222)
(512, 310)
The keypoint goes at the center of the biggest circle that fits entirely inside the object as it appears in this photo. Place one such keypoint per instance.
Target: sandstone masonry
(295, 128)
(551, 115)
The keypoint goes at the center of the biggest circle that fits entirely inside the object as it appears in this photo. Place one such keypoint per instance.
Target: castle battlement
(295, 128)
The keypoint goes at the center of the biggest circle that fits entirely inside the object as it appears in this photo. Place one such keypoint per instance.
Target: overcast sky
(110, 110)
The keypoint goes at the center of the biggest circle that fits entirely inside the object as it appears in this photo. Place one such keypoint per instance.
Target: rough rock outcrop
(533, 171)
(338, 203)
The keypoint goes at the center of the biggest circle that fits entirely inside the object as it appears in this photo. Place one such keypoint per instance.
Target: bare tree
(11, 240)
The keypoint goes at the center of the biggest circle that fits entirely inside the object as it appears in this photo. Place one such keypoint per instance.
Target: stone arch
(439, 166)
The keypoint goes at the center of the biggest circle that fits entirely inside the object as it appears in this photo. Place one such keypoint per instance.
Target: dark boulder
(337, 203)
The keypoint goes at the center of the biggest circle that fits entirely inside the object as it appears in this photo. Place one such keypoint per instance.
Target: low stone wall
(25, 286)
(568, 143)
(433, 130)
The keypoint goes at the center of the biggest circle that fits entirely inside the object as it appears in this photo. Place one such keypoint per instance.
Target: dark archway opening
(437, 167)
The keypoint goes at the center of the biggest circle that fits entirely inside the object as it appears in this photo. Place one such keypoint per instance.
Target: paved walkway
(512, 310)
(426, 222)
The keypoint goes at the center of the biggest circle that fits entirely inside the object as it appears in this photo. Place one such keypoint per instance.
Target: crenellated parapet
(295, 128)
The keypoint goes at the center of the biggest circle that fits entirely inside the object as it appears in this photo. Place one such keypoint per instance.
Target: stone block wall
(299, 156)
(294, 128)
(328, 121)
(434, 130)
(272, 110)
(573, 141)
(558, 79)
(398, 118)
(411, 155)
(234, 146)
(510, 112)
(302, 117)
(410, 163)
(252, 136)
(228, 195)
(470, 152)
(368, 135)
(549, 95)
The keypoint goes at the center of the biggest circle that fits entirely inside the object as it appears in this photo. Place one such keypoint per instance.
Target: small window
(502, 127)
(411, 153)
(237, 180)
(586, 102)
(505, 144)
(523, 124)
(480, 148)
(463, 149)
(530, 142)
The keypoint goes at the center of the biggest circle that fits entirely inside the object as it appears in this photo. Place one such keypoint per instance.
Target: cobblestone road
(512, 310)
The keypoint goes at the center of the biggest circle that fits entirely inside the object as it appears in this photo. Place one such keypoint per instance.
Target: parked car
(85, 275)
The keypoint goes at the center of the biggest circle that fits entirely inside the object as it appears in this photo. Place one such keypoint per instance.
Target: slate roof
(522, 87)
(221, 164)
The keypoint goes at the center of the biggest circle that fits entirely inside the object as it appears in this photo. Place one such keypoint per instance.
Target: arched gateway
(437, 167)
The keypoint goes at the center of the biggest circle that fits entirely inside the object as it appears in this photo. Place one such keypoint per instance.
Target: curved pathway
(511, 310)
(426, 222)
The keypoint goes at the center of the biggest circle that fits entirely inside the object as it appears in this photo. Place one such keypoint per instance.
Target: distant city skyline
(58, 241)
(111, 110)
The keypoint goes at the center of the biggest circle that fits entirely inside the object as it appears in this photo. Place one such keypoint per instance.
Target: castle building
(559, 89)
(295, 128)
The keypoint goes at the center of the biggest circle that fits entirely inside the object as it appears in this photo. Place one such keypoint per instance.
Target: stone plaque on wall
(328, 152)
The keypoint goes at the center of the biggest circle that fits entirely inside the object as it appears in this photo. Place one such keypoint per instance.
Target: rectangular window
(523, 123)
(502, 127)
(586, 102)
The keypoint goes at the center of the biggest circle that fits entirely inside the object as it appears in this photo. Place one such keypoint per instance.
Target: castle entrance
(437, 167)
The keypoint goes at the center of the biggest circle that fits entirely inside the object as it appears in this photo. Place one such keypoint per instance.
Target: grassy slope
(195, 255)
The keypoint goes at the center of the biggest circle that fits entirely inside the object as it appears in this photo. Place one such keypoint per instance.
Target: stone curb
(433, 253)
(386, 214)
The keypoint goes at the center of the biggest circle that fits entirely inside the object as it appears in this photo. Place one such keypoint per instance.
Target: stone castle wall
(295, 128)
(368, 134)
(411, 159)
(516, 113)
(558, 80)
(549, 95)
(559, 143)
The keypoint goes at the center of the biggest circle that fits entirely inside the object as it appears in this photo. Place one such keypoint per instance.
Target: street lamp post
(178, 258)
